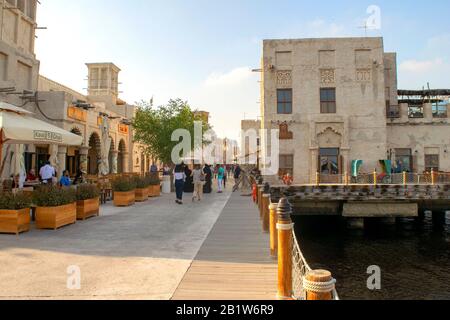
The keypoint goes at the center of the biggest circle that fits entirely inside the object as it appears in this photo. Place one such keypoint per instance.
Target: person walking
(199, 180)
(237, 178)
(180, 177)
(220, 176)
(207, 172)
(47, 173)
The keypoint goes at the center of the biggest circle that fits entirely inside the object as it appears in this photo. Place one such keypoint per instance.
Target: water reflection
(413, 255)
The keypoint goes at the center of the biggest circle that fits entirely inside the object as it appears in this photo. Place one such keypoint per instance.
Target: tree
(153, 127)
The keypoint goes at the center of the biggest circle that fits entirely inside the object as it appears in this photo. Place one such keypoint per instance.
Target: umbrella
(17, 126)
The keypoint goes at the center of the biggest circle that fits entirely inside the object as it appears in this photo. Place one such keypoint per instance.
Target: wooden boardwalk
(234, 262)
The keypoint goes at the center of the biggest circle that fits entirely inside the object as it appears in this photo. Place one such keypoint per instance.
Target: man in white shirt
(47, 173)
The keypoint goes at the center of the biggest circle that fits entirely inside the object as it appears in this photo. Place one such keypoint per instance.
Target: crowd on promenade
(200, 180)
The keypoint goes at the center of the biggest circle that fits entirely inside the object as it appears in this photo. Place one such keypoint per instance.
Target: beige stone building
(19, 68)
(101, 118)
(335, 101)
(88, 115)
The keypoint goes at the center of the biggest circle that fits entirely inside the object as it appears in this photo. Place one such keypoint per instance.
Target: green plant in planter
(141, 183)
(154, 180)
(11, 201)
(123, 184)
(51, 196)
(87, 192)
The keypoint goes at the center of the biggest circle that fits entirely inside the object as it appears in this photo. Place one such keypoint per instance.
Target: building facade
(101, 118)
(331, 100)
(19, 68)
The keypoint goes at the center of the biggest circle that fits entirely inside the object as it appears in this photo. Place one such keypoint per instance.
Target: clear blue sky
(202, 50)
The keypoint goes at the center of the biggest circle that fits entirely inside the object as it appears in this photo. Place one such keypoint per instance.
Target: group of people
(199, 181)
(48, 176)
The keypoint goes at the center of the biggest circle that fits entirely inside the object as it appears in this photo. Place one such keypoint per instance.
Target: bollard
(273, 230)
(260, 189)
(265, 212)
(284, 227)
(319, 285)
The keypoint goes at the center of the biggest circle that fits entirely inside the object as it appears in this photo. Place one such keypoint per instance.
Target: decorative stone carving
(285, 134)
(363, 75)
(327, 76)
(284, 78)
(330, 138)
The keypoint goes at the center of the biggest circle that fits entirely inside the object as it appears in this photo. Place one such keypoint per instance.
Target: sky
(203, 51)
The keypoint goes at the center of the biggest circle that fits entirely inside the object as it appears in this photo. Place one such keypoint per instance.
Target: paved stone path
(234, 262)
(141, 252)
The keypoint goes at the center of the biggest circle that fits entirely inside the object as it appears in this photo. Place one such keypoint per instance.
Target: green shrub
(51, 196)
(87, 192)
(11, 201)
(153, 179)
(141, 182)
(123, 184)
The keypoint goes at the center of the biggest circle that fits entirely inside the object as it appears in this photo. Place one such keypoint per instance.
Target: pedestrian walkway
(234, 262)
(140, 252)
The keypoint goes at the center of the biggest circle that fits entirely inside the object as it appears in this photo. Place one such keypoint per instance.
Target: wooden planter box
(88, 208)
(124, 199)
(154, 191)
(15, 221)
(142, 194)
(56, 217)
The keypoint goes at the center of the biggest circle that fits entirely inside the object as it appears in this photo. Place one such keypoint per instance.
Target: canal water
(414, 256)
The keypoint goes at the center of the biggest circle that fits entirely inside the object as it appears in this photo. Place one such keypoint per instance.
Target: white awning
(18, 126)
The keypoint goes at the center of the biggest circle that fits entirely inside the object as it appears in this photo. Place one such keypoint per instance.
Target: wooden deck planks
(234, 262)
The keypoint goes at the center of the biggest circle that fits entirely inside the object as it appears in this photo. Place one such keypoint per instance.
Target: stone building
(19, 68)
(101, 118)
(332, 100)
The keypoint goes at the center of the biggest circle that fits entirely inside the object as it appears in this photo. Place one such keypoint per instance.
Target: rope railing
(300, 269)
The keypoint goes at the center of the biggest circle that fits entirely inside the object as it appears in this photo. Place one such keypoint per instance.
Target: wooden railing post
(317, 178)
(285, 241)
(265, 212)
(375, 177)
(260, 188)
(346, 179)
(273, 230)
(405, 178)
(433, 178)
(319, 285)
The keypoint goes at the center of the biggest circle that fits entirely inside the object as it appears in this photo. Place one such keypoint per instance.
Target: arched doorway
(94, 154)
(73, 155)
(121, 161)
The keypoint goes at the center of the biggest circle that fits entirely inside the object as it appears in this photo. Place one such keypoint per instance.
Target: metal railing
(300, 269)
(405, 178)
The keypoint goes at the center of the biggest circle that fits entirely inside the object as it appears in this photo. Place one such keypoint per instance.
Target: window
(286, 164)
(284, 101)
(440, 109)
(415, 111)
(404, 160)
(329, 161)
(431, 162)
(328, 100)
